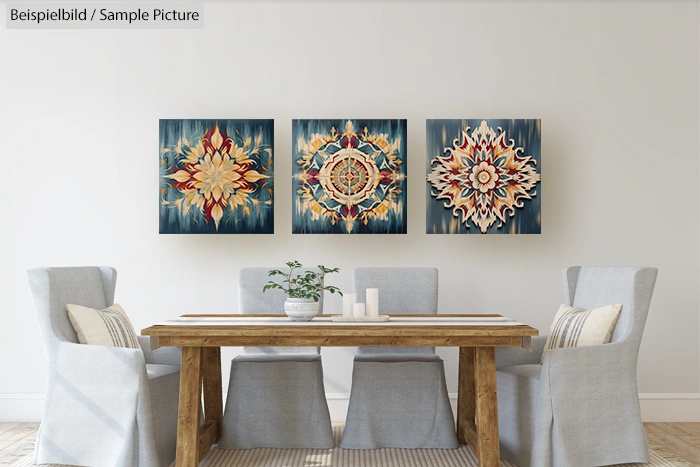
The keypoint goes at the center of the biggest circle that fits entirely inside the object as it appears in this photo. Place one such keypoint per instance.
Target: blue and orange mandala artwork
(216, 176)
(482, 176)
(349, 176)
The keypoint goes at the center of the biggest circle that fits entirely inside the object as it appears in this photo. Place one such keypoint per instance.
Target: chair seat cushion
(401, 350)
(276, 358)
(532, 371)
(156, 371)
(396, 358)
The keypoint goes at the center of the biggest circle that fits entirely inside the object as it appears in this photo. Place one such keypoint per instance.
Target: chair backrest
(402, 291)
(592, 287)
(54, 288)
(252, 300)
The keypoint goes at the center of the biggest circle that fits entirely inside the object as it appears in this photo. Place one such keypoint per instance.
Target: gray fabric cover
(581, 406)
(104, 405)
(399, 395)
(276, 401)
(276, 397)
(164, 391)
(399, 404)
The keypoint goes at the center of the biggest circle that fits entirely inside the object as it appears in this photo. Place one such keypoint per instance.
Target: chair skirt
(164, 389)
(399, 401)
(517, 410)
(532, 435)
(276, 401)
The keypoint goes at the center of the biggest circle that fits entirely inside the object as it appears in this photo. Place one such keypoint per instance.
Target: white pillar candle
(349, 300)
(372, 303)
(358, 310)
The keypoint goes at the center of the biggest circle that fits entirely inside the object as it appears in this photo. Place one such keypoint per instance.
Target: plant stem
(289, 280)
(319, 287)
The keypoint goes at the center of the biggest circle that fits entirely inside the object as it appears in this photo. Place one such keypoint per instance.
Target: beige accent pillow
(110, 327)
(573, 327)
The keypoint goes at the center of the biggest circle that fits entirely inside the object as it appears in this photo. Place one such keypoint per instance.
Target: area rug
(462, 457)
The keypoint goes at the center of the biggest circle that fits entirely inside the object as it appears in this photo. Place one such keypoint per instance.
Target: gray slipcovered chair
(105, 406)
(399, 395)
(581, 406)
(276, 397)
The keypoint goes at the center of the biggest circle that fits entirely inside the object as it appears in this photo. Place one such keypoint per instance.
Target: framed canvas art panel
(483, 176)
(216, 176)
(349, 176)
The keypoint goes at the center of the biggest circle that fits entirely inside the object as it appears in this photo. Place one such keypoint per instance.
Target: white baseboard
(656, 407)
(21, 407)
(670, 407)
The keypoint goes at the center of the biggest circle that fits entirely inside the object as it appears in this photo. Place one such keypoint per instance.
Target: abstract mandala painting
(483, 176)
(349, 176)
(216, 176)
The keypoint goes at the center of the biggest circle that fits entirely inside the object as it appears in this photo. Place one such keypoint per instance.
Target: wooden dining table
(202, 336)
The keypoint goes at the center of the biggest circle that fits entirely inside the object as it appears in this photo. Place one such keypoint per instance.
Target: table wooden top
(278, 330)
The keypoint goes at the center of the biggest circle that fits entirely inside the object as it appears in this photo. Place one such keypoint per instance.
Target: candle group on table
(352, 309)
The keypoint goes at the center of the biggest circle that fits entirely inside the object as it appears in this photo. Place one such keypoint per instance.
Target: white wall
(616, 87)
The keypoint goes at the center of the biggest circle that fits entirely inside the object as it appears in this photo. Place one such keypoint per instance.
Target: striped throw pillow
(110, 327)
(573, 327)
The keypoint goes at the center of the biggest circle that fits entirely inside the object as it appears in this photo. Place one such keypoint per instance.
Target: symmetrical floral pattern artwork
(483, 176)
(349, 176)
(216, 176)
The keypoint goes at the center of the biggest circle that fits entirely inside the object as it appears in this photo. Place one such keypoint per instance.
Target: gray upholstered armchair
(105, 406)
(580, 407)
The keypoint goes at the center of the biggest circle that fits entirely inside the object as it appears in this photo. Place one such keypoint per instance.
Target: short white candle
(358, 310)
(372, 303)
(349, 300)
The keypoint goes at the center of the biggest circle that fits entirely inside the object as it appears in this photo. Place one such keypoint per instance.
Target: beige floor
(681, 439)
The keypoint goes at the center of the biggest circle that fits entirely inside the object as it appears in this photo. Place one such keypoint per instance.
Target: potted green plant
(303, 289)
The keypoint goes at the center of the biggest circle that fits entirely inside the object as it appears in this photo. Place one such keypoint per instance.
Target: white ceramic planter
(301, 309)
